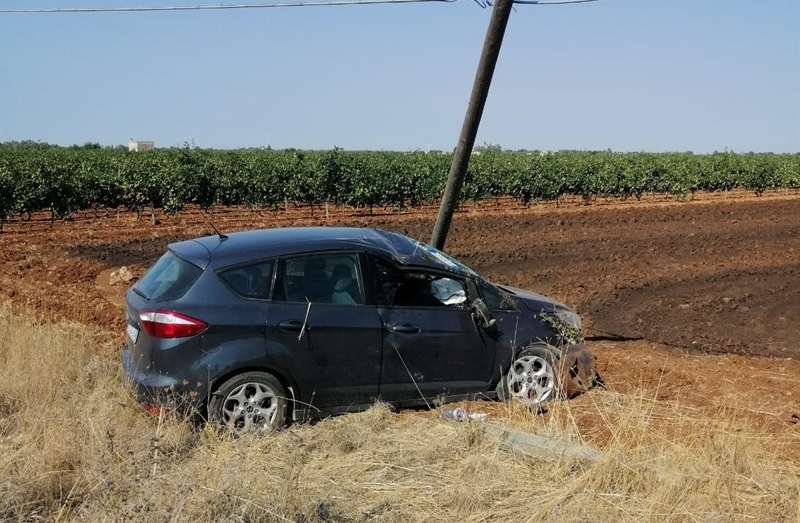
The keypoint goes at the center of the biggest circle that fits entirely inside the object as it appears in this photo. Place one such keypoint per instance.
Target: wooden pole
(469, 129)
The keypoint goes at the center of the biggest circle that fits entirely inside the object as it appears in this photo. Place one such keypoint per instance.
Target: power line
(211, 7)
(264, 5)
(552, 2)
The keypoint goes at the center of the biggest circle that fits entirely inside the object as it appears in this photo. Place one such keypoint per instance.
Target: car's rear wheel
(249, 402)
(532, 378)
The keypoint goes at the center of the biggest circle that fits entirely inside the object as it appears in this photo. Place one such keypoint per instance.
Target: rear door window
(168, 279)
(250, 281)
(321, 278)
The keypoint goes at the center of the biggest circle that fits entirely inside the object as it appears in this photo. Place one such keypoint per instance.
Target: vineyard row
(69, 180)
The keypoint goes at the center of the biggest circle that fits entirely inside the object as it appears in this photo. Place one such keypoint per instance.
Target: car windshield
(168, 279)
(445, 260)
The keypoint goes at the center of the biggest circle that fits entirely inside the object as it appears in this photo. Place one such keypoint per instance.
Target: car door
(322, 333)
(431, 344)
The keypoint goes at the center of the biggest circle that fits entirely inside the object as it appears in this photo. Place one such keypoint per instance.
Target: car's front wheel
(249, 402)
(531, 379)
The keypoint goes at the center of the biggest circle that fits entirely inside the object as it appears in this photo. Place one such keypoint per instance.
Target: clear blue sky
(629, 75)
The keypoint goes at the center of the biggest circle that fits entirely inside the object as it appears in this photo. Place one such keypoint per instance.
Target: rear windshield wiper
(140, 293)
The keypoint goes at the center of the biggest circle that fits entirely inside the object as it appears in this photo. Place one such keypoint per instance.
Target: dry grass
(75, 447)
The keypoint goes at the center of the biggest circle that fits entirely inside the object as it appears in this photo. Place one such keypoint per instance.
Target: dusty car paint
(331, 358)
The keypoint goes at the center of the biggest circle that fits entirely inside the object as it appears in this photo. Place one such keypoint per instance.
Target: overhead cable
(265, 5)
(552, 2)
(217, 7)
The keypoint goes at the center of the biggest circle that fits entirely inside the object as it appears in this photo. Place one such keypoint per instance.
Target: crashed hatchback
(256, 328)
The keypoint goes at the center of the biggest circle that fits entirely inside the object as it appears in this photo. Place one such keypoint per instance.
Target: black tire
(249, 402)
(539, 389)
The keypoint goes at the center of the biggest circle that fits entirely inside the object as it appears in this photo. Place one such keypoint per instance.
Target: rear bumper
(159, 389)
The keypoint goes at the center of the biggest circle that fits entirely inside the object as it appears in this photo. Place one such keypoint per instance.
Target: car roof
(243, 246)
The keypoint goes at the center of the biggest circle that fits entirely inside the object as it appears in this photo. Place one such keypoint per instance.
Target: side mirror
(480, 313)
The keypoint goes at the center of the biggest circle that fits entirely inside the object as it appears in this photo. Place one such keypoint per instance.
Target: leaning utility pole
(480, 90)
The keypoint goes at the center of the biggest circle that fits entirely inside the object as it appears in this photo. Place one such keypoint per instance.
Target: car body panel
(336, 361)
(433, 352)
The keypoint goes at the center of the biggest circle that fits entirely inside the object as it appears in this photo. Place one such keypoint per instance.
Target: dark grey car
(257, 327)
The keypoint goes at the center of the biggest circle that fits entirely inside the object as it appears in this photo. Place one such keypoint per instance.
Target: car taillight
(170, 324)
(155, 410)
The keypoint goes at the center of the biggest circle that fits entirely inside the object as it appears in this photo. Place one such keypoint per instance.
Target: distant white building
(140, 145)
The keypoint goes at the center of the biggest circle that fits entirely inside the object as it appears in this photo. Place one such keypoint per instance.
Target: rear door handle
(291, 325)
(405, 328)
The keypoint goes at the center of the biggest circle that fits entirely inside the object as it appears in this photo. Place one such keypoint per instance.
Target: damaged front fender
(577, 370)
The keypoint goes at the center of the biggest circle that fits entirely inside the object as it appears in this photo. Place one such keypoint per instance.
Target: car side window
(386, 279)
(419, 289)
(250, 281)
(320, 278)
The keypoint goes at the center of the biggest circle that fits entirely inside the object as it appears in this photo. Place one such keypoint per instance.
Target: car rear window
(168, 279)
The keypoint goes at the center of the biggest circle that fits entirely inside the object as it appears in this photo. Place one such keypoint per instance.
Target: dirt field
(706, 293)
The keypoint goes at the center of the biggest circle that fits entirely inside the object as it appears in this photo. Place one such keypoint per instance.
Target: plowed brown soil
(707, 292)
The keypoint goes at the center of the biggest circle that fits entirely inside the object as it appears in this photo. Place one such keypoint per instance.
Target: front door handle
(291, 325)
(405, 328)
